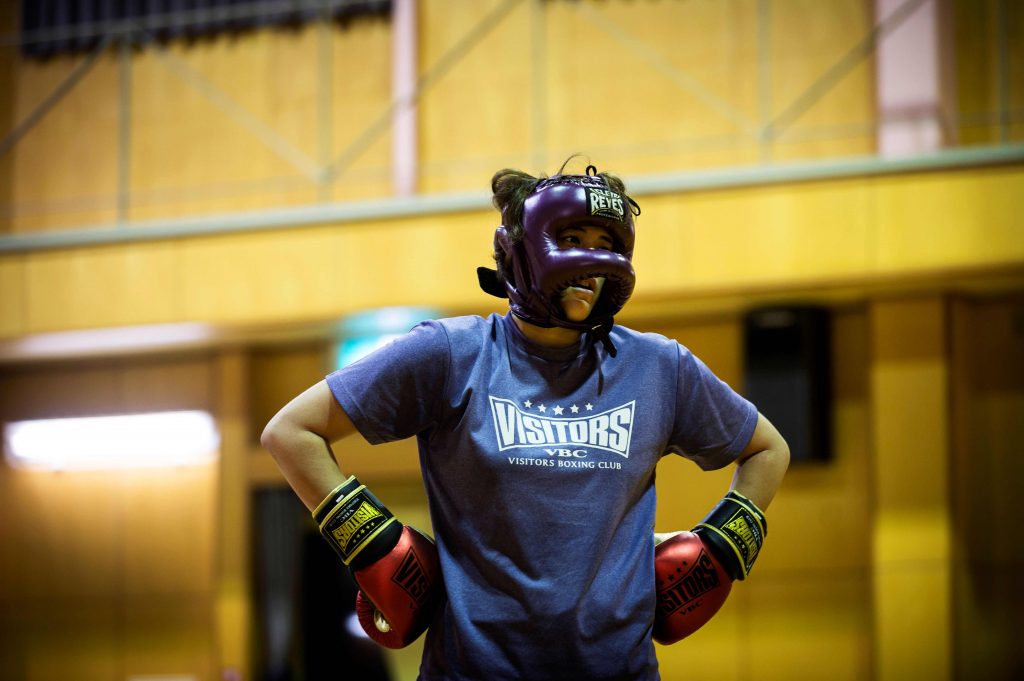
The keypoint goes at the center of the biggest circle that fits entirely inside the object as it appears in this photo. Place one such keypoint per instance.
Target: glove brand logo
(411, 577)
(357, 525)
(684, 594)
(605, 203)
(745, 537)
(610, 430)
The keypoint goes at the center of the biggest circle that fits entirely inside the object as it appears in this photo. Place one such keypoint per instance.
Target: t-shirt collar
(544, 352)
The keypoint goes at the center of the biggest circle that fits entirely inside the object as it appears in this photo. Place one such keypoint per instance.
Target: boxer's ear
(491, 281)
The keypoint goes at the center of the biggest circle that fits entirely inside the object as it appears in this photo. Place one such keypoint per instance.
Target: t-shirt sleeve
(713, 423)
(396, 391)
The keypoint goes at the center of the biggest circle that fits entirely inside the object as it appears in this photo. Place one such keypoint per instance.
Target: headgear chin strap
(539, 271)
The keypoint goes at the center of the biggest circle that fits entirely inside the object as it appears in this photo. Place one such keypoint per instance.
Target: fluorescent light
(117, 340)
(177, 438)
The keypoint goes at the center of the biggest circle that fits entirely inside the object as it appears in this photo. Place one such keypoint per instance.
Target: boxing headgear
(537, 271)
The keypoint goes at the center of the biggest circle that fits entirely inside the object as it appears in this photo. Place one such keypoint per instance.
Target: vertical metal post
(538, 80)
(764, 79)
(909, 78)
(404, 93)
(124, 134)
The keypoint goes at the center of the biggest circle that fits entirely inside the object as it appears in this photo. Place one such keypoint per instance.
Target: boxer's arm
(760, 468)
(762, 465)
(735, 529)
(299, 438)
(396, 567)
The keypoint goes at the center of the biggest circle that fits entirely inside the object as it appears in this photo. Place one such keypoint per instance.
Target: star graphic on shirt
(558, 411)
(527, 404)
(542, 409)
(590, 407)
(574, 409)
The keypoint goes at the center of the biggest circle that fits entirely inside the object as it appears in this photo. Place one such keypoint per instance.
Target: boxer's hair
(510, 189)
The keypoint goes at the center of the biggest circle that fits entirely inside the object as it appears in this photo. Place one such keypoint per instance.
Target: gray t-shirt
(539, 468)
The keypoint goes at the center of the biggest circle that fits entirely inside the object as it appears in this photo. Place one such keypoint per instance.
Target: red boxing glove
(691, 587)
(399, 593)
(396, 567)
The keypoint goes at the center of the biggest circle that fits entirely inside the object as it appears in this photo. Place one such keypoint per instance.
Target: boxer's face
(578, 300)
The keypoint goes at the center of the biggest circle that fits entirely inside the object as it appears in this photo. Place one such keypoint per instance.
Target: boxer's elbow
(270, 438)
(279, 435)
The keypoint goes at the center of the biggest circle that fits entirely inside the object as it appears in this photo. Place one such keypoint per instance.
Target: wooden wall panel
(476, 118)
(911, 531)
(64, 171)
(104, 286)
(809, 598)
(190, 155)
(166, 535)
(12, 293)
(639, 87)
(988, 412)
(61, 638)
(278, 374)
(807, 624)
(744, 237)
(807, 40)
(62, 537)
(112, 570)
(231, 525)
(982, 88)
(868, 233)
(359, 121)
(685, 493)
(169, 636)
(935, 220)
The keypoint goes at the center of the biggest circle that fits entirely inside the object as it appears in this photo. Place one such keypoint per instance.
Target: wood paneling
(988, 412)
(107, 573)
(809, 597)
(912, 514)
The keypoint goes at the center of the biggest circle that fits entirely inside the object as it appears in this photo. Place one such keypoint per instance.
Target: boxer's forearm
(299, 437)
(305, 460)
(758, 478)
(763, 465)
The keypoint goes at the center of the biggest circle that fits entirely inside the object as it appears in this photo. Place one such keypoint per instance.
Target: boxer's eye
(589, 237)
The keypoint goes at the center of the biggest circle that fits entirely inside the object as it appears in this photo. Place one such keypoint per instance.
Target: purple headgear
(539, 271)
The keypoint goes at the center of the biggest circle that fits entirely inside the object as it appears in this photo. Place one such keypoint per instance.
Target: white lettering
(604, 202)
(505, 418)
(535, 435)
(610, 430)
(621, 423)
(576, 464)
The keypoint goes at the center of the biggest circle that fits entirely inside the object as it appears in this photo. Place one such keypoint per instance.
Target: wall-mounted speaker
(787, 375)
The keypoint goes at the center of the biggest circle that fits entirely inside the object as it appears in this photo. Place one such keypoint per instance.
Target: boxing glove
(396, 567)
(691, 586)
(734, 531)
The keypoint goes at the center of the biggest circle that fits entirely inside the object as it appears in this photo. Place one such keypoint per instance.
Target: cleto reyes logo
(605, 203)
(611, 430)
